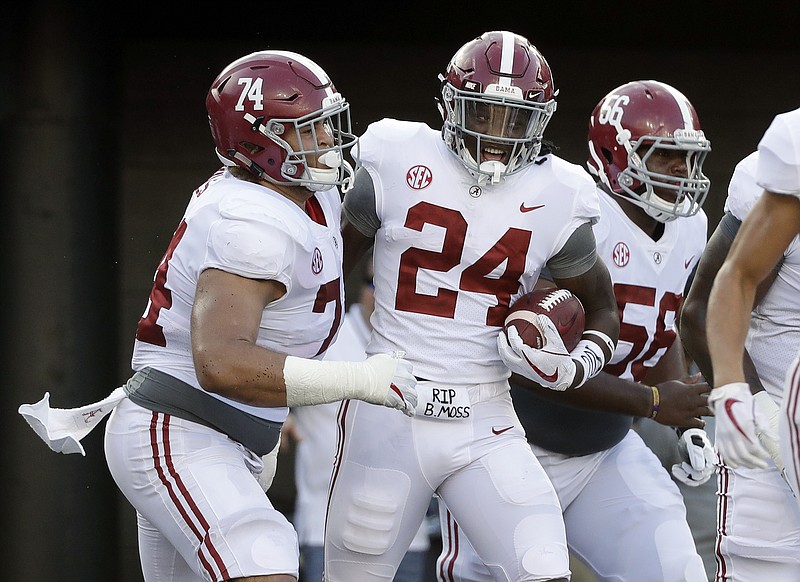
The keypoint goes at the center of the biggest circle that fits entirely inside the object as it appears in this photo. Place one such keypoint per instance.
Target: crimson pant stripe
(793, 396)
(341, 417)
(448, 563)
(723, 484)
(182, 499)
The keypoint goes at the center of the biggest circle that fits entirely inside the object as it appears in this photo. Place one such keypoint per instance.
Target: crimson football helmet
(627, 127)
(258, 98)
(497, 97)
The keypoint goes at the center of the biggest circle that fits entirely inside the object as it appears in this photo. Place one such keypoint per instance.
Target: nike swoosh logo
(523, 208)
(397, 391)
(547, 377)
(728, 405)
(687, 263)
(501, 430)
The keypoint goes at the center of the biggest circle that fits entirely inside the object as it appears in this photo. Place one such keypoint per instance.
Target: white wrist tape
(591, 357)
(319, 382)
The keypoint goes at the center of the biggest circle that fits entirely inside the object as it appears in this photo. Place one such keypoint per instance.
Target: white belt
(454, 402)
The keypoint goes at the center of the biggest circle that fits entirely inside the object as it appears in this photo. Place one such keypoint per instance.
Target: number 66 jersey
(450, 253)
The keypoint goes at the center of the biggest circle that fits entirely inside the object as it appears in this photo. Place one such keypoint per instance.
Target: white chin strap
(495, 168)
(323, 178)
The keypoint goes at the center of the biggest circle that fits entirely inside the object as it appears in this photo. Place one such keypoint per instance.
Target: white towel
(63, 428)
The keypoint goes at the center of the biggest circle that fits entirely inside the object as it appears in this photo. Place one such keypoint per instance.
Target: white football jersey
(252, 231)
(649, 279)
(450, 254)
(774, 334)
(779, 150)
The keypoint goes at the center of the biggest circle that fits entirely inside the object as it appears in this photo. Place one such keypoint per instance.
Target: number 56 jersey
(450, 254)
(649, 278)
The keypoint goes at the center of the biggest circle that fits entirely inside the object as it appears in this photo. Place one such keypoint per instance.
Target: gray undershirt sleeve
(577, 256)
(359, 204)
(729, 225)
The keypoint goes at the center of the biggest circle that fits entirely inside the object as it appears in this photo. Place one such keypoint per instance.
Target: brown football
(560, 305)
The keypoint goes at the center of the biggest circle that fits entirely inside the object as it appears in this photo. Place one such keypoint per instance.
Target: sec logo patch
(419, 177)
(621, 254)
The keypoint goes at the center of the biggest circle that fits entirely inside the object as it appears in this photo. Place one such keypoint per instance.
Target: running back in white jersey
(252, 231)
(450, 255)
(635, 261)
(774, 334)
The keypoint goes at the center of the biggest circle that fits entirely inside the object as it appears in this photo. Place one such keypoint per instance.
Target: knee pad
(372, 511)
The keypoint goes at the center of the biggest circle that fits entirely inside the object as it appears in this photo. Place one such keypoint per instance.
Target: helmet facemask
(689, 191)
(507, 128)
(313, 164)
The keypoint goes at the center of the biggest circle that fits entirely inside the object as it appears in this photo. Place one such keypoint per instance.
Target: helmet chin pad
(317, 179)
(493, 170)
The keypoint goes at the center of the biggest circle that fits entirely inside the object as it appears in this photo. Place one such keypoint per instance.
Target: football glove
(551, 366)
(737, 437)
(697, 458)
(767, 413)
(402, 391)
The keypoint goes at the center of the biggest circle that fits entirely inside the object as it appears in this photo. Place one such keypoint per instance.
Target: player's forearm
(728, 320)
(241, 371)
(604, 392)
(693, 337)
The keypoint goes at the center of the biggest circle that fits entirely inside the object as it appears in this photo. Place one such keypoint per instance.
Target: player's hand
(683, 402)
(697, 458)
(395, 373)
(551, 366)
(737, 437)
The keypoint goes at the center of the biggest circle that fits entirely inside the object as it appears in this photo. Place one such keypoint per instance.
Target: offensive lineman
(452, 215)
(244, 303)
(625, 517)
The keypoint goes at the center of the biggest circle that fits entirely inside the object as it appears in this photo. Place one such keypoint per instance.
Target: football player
(625, 517)
(244, 304)
(753, 332)
(463, 219)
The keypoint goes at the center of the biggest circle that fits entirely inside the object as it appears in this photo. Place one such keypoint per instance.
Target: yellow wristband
(656, 401)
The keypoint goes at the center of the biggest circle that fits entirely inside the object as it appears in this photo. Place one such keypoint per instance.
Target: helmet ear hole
(251, 148)
(607, 155)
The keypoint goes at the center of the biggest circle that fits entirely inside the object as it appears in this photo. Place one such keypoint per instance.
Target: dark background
(104, 136)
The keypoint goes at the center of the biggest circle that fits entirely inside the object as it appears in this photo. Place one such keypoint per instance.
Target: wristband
(604, 339)
(591, 356)
(656, 402)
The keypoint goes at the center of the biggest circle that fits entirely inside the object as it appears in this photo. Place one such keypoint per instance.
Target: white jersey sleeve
(254, 232)
(779, 155)
(743, 191)
(451, 254)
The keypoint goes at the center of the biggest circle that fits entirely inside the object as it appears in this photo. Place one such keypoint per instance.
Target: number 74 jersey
(450, 253)
(250, 231)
